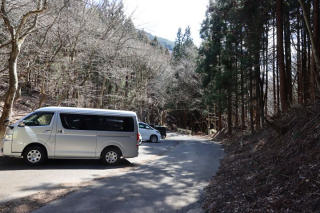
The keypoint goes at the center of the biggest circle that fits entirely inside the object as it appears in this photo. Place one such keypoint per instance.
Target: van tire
(111, 156)
(154, 139)
(34, 155)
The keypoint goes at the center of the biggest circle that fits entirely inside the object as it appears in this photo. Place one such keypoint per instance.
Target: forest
(259, 63)
(257, 59)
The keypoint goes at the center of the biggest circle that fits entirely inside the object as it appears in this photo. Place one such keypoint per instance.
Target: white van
(73, 133)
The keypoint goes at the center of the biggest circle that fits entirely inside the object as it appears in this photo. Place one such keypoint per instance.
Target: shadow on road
(7, 164)
(171, 184)
(147, 148)
(167, 177)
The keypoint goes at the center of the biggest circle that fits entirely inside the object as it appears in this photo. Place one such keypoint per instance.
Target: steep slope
(274, 170)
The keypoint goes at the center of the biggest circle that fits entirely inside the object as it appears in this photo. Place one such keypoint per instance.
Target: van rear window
(97, 122)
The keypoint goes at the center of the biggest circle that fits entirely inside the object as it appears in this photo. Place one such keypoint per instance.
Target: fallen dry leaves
(275, 170)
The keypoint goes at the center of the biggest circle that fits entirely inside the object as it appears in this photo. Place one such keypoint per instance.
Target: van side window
(77, 121)
(97, 122)
(39, 119)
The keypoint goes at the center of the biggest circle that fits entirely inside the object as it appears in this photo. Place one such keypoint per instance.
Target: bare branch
(5, 44)
(40, 9)
(5, 18)
(29, 29)
(16, 5)
(51, 25)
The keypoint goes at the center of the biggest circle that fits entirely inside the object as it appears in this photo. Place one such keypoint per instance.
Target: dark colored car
(161, 129)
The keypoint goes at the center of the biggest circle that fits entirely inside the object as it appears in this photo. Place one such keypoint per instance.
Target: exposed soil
(25, 104)
(275, 170)
(32, 202)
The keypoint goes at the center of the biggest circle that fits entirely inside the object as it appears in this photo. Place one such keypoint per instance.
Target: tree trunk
(18, 94)
(265, 101)
(13, 86)
(17, 39)
(242, 90)
(242, 100)
(229, 112)
(219, 113)
(219, 120)
(283, 85)
(259, 98)
(103, 88)
(251, 102)
(304, 72)
(314, 47)
(274, 80)
(299, 62)
(313, 74)
(237, 96)
(287, 45)
(278, 89)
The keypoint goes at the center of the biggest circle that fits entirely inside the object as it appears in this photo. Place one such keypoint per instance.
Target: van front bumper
(6, 150)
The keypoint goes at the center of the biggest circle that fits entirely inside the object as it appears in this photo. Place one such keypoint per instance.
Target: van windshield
(39, 119)
(97, 122)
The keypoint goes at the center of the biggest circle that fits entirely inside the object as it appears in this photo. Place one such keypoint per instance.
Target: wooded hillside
(260, 66)
(87, 54)
(258, 59)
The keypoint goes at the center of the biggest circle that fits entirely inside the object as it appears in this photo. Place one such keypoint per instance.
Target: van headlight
(8, 137)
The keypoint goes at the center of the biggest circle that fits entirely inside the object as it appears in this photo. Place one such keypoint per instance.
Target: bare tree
(89, 54)
(18, 31)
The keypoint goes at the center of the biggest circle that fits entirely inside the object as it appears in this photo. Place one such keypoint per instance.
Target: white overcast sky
(163, 17)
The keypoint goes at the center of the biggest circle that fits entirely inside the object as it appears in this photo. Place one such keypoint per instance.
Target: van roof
(87, 111)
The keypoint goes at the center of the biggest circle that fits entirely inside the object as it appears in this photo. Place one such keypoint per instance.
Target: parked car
(148, 133)
(73, 133)
(161, 129)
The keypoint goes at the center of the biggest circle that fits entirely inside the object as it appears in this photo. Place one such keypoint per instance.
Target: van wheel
(154, 139)
(111, 156)
(34, 155)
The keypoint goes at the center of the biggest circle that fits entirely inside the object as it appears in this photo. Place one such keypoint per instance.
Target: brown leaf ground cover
(275, 170)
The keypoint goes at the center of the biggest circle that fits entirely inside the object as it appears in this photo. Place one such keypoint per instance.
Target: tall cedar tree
(247, 58)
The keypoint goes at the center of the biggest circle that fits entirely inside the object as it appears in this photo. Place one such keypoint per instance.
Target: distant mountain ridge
(162, 41)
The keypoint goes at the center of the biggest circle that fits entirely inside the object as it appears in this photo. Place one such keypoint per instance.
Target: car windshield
(144, 126)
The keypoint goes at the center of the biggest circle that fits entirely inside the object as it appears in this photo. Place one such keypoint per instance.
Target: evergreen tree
(184, 46)
(187, 40)
(178, 46)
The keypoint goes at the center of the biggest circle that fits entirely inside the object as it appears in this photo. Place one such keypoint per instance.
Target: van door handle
(59, 131)
(47, 131)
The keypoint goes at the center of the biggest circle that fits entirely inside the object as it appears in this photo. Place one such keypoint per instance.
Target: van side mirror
(21, 124)
(6, 122)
